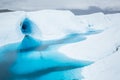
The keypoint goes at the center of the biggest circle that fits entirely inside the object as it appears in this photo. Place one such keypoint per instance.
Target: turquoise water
(33, 59)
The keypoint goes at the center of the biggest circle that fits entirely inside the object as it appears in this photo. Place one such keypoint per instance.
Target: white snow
(52, 24)
(94, 47)
(105, 69)
(9, 27)
(96, 20)
(56, 23)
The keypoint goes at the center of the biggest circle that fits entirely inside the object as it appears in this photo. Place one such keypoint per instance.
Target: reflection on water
(33, 59)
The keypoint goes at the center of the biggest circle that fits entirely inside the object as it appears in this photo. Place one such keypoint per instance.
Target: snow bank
(105, 69)
(51, 24)
(114, 19)
(56, 22)
(9, 30)
(95, 21)
(95, 46)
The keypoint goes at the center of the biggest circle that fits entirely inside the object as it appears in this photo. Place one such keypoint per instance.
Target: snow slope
(104, 69)
(96, 20)
(94, 47)
(103, 48)
(9, 27)
(107, 68)
(56, 23)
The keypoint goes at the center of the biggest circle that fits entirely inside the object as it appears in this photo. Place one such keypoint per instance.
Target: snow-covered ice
(94, 47)
(56, 23)
(107, 68)
(9, 27)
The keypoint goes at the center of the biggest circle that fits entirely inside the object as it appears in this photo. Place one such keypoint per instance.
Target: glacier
(56, 44)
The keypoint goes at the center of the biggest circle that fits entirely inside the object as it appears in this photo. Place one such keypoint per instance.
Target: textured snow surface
(9, 27)
(104, 69)
(96, 46)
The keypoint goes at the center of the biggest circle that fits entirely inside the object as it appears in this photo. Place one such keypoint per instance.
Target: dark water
(33, 59)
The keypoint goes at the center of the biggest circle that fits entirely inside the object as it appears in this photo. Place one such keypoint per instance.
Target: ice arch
(27, 26)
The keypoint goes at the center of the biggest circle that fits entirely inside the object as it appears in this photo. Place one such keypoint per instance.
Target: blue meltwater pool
(33, 59)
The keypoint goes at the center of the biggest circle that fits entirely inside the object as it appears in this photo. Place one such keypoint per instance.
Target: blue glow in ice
(28, 43)
(27, 26)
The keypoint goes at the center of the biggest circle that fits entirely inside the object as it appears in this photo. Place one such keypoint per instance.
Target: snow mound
(56, 22)
(105, 69)
(114, 19)
(9, 30)
(96, 21)
(52, 24)
(96, 46)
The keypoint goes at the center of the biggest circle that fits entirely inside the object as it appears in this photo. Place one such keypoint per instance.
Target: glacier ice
(54, 44)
